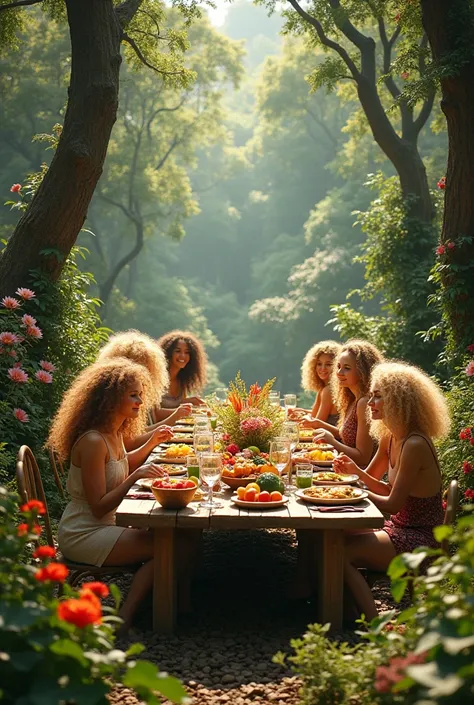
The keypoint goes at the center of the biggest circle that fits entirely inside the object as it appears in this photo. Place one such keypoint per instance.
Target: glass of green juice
(192, 466)
(304, 476)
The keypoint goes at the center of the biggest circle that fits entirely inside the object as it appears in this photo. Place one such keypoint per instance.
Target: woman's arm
(316, 406)
(92, 452)
(195, 401)
(141, 446)
(309, 422)
(325, 404)
(412, 459)
(171, 415)
(371, 477)
(361, 454)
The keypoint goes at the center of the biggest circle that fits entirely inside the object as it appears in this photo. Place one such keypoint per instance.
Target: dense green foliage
(49, 656)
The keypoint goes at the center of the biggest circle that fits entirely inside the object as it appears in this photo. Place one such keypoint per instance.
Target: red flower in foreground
(48, 366)
(233, 448)
(405, 75)
(80, 612)
(467, 467)
(442, 183)
(55, 572)
(21, 415)
(96, 588)
(444, 504)
(34, 332)
(16, 188)
(471, 348)
(25, 293)
(16, 374)
(43, 376)
(387, 676)
(10, 302)
(451, 246)
(469, 494)
(24, 529)
(44, 552)
(34, 505)
(440, 250)
(465, 434)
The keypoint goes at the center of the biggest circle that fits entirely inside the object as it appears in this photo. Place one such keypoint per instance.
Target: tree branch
(19, 3)
(321, 123)
(324, 39)
(117, 204)
(387, 45)
(127, 11)
(175, 142)
(138, 52)
(427, 106)
(107, 286)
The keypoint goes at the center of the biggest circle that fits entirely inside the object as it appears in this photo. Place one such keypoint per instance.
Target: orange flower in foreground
(56, 572)
(236, 402)
(44, 552)
(34, 505)
(96, 588)
(24, 529)
(80, 612)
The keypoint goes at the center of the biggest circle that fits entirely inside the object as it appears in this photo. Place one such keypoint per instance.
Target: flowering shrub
(56, 651)
(248, 419)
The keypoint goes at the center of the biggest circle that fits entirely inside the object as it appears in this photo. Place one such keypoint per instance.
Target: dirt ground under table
(241, 617)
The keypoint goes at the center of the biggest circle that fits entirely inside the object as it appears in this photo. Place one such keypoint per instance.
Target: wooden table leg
(331, 582)
(164, 585)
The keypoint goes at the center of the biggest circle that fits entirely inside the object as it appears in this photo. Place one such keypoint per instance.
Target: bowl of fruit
(173, 493)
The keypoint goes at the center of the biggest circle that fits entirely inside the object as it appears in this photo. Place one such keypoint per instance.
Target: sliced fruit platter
(317, 457)
(266, 492)
(176, 453)
(344, 494)
(241, 467)
(333, 478)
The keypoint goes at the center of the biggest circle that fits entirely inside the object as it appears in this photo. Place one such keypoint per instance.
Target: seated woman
(187, 363)
(408, 410)
(106, 401)
(351, 381)
(140, 348)
(315, 377)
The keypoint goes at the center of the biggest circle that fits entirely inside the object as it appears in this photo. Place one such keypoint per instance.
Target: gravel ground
(223, 650)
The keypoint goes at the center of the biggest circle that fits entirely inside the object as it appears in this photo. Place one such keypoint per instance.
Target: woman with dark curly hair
(106, 401)
(187, 363)
(351, 381)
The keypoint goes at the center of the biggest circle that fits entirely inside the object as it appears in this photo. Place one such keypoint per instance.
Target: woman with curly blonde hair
(315, 377)
(140, 348)
(350, 382)
(187, 363)
(408, 410)
(105, 401)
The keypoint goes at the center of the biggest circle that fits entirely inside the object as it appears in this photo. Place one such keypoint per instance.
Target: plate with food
(176, 453)
(306, 434)
(333, 478)
(306, 446)
(330, 494)
(187, 421)
(256, 504)
(316, 457)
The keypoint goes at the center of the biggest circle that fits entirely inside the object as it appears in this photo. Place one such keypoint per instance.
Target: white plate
(257, 505)
(297, 458)
(347, 480)
(343, 500)
(177, 460)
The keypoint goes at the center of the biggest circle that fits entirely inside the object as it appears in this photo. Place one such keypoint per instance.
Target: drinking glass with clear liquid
(274, 398)
(210, 471)
(290, 401)
(201, 424)
(291, 430)
(203, 442)
(280, 454)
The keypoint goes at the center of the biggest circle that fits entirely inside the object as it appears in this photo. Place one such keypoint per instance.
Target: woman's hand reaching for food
(162, 434)
(323, 436)
(345, 465)
(309, 422)
(150, 470)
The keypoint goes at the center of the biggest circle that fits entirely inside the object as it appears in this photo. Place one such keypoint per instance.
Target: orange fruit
(276, 496)
(240, 492)
(250, 495)
(264, 496)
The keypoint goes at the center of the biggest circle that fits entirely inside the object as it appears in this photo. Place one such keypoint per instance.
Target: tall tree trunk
(59, 208)
(450, 30)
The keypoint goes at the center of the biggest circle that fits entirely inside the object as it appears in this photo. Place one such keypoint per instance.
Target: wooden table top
(296, 514)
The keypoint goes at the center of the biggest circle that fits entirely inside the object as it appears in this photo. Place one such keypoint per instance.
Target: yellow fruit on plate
(252, 486)
(241, 492)
(194, 479)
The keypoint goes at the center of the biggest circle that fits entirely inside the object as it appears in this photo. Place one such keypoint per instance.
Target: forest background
(236, 207)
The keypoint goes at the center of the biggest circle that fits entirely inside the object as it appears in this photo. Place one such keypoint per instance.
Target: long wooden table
(327, 530)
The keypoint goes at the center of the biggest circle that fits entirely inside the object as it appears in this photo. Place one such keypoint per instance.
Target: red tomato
(264, 496)
(166, 486)
(179, 486)
(188, 484)
(156, 483)
(276, 496)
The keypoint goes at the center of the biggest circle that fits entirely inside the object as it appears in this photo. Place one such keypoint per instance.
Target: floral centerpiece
(248, 418)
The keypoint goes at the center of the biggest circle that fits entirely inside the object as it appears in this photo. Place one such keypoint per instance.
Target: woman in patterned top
(408, 410)
(351, 380)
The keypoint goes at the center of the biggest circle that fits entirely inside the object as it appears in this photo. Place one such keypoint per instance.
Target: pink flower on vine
(13, 353)
(387, 676)
(451, 246)
(465, 434)
(7, 338)
(16, 374)
(469, 494)
(16, 188)
(10, 302)
(470, 369)
(255, 423)
(471, 348)
(48, 366)
(21, 415)
(28, 320)
(43, 376)
(34, 332)
(440, 250)
(442, 183)
(25, 294)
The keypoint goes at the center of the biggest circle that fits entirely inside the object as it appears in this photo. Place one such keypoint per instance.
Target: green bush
(56, 651)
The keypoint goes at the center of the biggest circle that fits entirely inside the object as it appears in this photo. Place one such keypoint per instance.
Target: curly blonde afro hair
(193, 377)
(310, 379)
(140, 348)
(366, 356)
(92, 399)
(412, 401)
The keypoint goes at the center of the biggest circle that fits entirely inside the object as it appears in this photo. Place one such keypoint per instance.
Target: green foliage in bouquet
(249, 418)
(55, 651)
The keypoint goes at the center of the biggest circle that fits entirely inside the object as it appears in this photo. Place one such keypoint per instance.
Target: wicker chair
(57, 467)
(30, 486)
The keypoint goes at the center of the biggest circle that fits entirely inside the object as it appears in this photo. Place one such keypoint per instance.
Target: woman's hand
(151, 470)
(196, 401)
(345, 465)
(183, 410)
(322, 435)
(309, 422)
(162, 434)
(296, 414)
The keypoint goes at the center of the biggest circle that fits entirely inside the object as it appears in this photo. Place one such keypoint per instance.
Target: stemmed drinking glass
(203, 442)
(291, 430)
(274, 398)
(280, 453)
(290, 402)
(210, 471)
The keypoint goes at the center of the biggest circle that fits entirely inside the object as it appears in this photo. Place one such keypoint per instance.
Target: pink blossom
(465, 434)
(471, 348)
(387, 676)
(467, 467)
(24, 293)
(48, 366)
(7, 338)
(12, 353)
(470, 369)
(17, 364)
(16, 188)
(43, 376)
(440, 250)
(16, 374)
(469, 494)
(28, 320)
(255, 423)
(442, 183)
(34, 332)
(451, 245)
(21, 415)
(10, 302)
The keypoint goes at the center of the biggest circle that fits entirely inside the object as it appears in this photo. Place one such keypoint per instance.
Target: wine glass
(291, 430)
(203, 442)
(274, 398)
(210, 472)
(290, 402)
(202, 424)
(280, 453)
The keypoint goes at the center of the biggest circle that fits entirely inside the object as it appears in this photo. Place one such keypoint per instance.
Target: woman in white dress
(106, 401)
